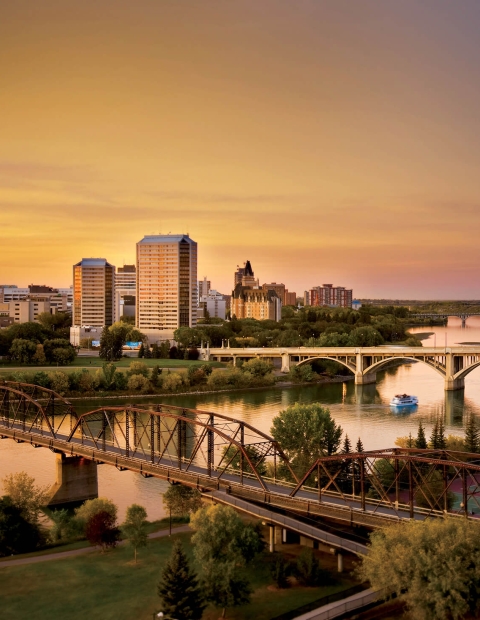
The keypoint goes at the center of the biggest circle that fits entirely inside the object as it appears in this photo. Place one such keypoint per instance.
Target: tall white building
(93, 285)
(166, 283)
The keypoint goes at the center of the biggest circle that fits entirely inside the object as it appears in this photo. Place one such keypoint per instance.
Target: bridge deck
(332, 505)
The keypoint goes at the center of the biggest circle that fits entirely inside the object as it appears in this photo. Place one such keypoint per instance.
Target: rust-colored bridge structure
(214, 452)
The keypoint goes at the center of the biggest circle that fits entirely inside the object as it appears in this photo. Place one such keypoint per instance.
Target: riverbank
(278, 385)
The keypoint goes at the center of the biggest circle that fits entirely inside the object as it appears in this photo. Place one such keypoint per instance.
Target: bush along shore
(140, 379)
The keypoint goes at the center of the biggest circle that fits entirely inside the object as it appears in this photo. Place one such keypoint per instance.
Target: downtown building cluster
(159, 293)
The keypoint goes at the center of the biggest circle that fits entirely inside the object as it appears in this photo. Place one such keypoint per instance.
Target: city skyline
(329, 141)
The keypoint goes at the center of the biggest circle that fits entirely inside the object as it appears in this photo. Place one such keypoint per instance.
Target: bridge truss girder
(398, 479)
(186, 439)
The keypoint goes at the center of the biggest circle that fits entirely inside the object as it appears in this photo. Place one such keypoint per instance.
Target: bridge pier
(365, 379)
(454, 384)
(77, 480)
(285, 362)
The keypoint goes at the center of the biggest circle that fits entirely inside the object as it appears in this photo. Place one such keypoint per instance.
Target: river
(362, 411)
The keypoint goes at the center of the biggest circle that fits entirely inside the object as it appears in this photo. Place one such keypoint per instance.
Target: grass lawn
(111, 587)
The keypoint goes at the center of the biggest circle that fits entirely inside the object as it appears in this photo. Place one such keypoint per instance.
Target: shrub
(280, 571)
(257, 367)
(308, 571)
(138, 368)
(87, 382)
(139, 383)
(120, 381)
(41, 378)
(59, 382)
(172, 381)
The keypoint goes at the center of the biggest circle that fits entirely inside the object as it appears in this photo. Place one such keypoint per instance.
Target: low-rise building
(329, 295)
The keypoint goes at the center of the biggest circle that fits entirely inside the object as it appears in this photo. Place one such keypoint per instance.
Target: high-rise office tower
(125, 291)
(93, 285)
(166, 282)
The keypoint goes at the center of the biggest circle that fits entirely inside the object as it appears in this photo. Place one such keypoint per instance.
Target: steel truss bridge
(216, 453)
(453, 364)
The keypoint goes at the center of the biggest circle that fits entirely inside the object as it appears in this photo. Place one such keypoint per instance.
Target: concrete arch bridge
(453, 364)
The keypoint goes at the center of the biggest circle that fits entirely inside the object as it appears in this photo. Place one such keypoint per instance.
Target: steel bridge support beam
(76, 482)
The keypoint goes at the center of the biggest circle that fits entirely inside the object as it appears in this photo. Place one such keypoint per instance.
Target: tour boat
(402, 400)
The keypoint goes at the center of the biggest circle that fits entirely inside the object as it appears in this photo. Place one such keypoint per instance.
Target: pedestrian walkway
(15, 561)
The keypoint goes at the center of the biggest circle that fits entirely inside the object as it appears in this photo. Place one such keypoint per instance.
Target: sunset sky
(327, 141)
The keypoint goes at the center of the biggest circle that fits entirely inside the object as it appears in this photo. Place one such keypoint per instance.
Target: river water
(362, 411)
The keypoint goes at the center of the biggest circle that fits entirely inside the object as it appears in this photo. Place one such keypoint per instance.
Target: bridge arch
(21, 411)
(378, 365)
(466, 371)
(329, 359)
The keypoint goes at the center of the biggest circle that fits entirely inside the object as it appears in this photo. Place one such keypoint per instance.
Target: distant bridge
(452, 363)
(213, 452)
(445, 316)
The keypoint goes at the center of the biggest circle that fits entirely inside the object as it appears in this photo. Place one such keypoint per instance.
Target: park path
(74, 552)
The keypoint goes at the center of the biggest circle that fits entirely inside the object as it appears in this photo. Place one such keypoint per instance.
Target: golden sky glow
(324, 140)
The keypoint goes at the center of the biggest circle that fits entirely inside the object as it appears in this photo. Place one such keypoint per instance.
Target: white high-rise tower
(166, 282)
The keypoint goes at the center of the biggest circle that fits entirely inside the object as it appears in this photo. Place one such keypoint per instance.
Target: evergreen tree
(347, 446)
(359, 446)
(433, 443)
(472, 435)
(421, 440)
(141, 351)
(442, 442)
(179, 588)
(155, 373)
(410, 441)
(147, 353)
(437, 438)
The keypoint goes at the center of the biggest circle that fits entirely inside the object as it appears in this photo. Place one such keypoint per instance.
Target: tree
(84, 513)
(179, 587)
(472, 435)
(437, 438)
(305, 433)
(347, 446)
(421, 440)
(359, 446)
(135, 526)
(59, 351)
(223, 544)
(17, 534)
(180, 500)
(111, 344)
(101, 530)
(26, 495)
(434, 566)
(155, 376)
(22, 351)
(365, 337)
(109, 371)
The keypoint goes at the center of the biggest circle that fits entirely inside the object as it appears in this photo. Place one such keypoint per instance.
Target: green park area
(112, 587)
